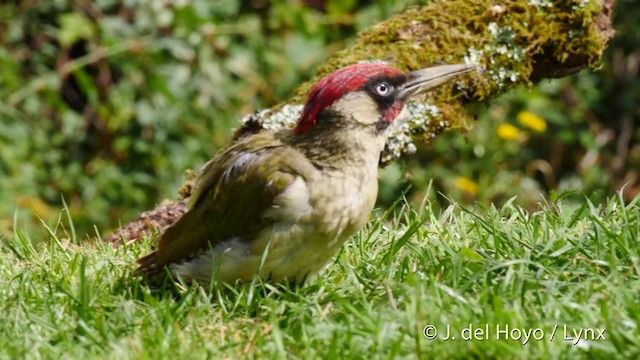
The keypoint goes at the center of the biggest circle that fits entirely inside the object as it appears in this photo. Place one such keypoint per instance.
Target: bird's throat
(343, 148)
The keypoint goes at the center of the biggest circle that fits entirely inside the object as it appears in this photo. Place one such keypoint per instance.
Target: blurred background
(104, 104)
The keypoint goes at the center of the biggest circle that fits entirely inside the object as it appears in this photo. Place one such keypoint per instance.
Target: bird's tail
(175, 244)
(147, 265)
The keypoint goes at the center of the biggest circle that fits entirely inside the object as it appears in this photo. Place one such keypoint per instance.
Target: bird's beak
(429, 78)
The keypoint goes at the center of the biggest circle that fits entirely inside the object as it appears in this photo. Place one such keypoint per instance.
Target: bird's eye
(383, 89)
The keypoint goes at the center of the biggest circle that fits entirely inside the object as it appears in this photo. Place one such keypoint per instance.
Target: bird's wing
(233, 192)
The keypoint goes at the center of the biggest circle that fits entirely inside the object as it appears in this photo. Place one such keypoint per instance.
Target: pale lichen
(274, 119)
(420, 118)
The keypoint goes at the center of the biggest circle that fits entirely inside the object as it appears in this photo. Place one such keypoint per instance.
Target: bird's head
(369, 94)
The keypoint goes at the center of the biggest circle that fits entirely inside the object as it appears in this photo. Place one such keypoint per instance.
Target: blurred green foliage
(578, 133)
(107, 103)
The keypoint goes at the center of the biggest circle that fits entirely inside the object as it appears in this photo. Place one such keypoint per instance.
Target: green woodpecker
(279, 204)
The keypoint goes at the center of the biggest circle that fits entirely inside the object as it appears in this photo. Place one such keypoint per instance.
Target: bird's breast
(332, 208)
(342, 202)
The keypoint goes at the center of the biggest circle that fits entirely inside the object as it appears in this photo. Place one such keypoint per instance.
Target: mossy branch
(517, 42)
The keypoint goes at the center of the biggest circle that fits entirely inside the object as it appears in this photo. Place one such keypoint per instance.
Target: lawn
(559, 282)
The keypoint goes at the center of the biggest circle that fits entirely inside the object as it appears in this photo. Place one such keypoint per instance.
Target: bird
(278, 205)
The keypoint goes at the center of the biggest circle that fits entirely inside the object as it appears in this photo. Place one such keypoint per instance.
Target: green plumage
(232, 194)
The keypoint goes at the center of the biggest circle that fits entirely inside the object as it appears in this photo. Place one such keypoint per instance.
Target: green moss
(513, 43)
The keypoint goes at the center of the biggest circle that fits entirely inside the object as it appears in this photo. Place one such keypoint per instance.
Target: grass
(562, 265)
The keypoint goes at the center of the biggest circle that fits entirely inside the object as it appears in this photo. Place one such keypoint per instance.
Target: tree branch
(517, 42)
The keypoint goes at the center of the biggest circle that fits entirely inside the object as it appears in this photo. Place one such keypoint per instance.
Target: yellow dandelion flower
(466, 185)
(508, 132)
(36, 205)
(532, 121)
